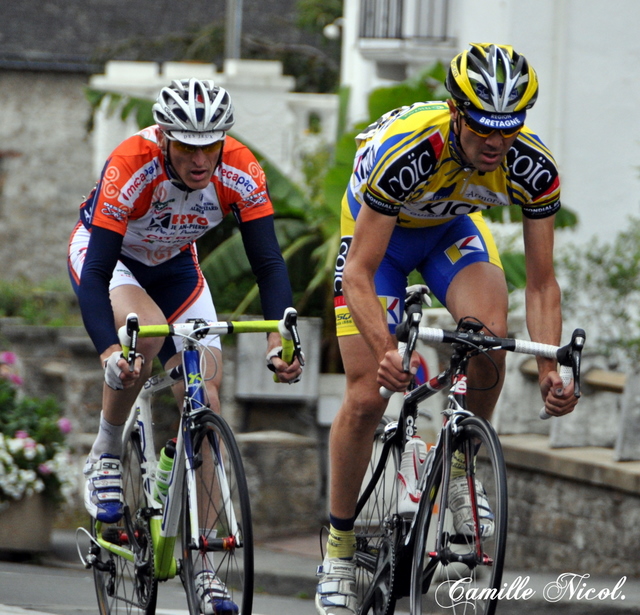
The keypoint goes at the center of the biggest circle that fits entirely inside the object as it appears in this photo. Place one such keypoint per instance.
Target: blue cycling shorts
(438, 253)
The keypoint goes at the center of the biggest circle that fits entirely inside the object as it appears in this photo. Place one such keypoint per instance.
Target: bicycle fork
(442, 553)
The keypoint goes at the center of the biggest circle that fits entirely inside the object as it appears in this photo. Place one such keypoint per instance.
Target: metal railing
(405, 19)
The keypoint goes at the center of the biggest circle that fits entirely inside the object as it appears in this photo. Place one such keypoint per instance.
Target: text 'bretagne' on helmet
(490, 79)
(193, 111)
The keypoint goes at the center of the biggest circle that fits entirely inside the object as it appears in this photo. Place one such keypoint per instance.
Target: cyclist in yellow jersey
(421, 177)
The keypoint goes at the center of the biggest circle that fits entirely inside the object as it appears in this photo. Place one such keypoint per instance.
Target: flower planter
(25, 525)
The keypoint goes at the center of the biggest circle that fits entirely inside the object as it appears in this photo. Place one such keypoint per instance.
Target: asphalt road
(42, 590)
(28, 589)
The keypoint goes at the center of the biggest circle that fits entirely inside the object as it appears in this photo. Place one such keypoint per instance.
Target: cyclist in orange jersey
(133, 250)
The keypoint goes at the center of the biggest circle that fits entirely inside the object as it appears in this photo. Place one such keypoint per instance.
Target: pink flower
(44, 469)
(21, 434)
(64, 424)
(16, 379)
(8, 358)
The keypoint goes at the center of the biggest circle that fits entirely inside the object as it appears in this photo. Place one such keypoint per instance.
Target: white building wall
(269, 117)
(585, 53)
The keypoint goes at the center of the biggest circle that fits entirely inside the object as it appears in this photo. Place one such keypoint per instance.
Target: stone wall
(45, 169)
(571, 509)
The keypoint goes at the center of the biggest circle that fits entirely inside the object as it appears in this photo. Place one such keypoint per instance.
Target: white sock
(108, 440)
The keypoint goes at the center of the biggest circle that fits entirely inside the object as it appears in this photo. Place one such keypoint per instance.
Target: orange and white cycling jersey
(136, 198)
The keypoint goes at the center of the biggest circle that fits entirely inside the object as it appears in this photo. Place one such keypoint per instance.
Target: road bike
(399, 557)
(207, 499)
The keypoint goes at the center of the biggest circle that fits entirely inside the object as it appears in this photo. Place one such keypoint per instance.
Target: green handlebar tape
(287, 354)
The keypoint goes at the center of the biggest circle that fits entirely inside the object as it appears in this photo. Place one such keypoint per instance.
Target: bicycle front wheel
(223, 544)
(376, 523)
(125, 582)
(463, 563)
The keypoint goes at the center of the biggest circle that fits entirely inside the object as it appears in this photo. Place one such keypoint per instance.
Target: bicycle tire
(227, 552)
(124, 587)
(457, 587)
(376, 519)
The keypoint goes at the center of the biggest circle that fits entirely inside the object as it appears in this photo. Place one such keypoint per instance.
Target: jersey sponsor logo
(190, 220)
(140, 178)
(364, 162)
(543, 211)
(388, 209)
(201, 208)
(160, 223)
(531, 168)
(341, 260)
(467, 245)
(255, 200)
(391, 306)
(445, 209)
(243, 183)
(486, 195)
(114, 212)
(427, 107)
(411, 168)
(344, 321)
(158, 206)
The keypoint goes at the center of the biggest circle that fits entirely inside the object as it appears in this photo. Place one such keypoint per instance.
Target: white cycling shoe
(336, 592)
(103, 496)
(214, 597)
(460, 507)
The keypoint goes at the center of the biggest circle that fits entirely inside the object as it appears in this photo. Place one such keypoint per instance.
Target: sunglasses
(484, 131)
(185, 148)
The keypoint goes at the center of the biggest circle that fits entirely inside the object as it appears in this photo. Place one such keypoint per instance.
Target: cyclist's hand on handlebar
(391, 374)
(117, 374)
(558, 398)
(286, 373)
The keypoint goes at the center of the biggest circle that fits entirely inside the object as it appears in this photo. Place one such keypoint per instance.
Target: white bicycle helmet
(193, 111)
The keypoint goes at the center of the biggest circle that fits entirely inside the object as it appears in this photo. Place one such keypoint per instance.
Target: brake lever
(291, 325)
(571, 356)
(133, 327)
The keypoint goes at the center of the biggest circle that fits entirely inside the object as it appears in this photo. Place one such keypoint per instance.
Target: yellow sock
(458, 464)
(341, 544)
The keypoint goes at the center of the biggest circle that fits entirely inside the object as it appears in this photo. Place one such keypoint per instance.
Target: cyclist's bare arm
(370, 241)
(544, 316)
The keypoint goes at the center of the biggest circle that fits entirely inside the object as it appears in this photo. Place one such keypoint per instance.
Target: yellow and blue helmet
(493, 84)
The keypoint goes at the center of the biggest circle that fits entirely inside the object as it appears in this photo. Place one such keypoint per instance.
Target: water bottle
(163, 472)
(411, 471)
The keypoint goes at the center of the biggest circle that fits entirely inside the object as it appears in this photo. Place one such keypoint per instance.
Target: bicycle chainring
(380, 592)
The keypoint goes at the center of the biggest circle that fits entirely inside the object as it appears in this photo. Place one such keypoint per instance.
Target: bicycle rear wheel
(224, 542)
(465, 572)
(376, 523)
(124, 586)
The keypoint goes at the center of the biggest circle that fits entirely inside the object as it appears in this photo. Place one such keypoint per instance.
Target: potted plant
(36, 473)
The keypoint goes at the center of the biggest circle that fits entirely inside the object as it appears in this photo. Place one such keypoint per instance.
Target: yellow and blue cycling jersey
(407, 165)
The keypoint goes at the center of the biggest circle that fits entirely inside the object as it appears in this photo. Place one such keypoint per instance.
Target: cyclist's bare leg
(126, 299)
(352, 430)
(480, 291)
